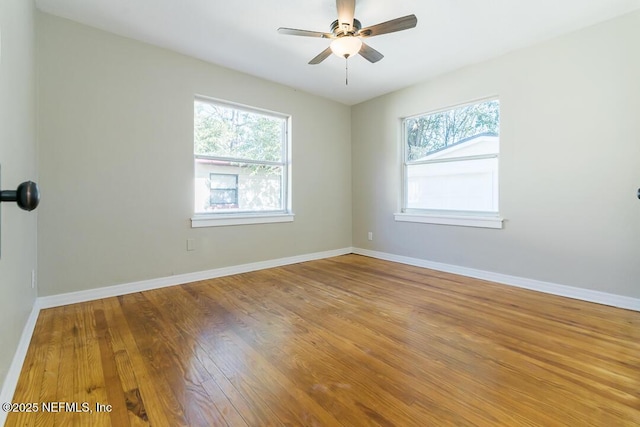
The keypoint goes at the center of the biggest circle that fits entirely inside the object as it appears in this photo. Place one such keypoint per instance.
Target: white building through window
(241, 161)
(451, 161)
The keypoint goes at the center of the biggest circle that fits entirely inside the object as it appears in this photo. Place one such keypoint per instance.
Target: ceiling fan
(347, 34)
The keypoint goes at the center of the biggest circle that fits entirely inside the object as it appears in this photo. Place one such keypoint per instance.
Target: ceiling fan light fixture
(346, 46)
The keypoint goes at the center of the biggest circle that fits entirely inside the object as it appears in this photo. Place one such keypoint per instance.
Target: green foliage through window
(228, 132)
(433, 132)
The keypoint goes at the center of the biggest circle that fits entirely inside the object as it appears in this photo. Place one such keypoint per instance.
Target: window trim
(445, 217)
(223, 220)
(217, 219)
(471, 220)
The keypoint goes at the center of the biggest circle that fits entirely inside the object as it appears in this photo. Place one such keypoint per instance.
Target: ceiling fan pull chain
(346, 70)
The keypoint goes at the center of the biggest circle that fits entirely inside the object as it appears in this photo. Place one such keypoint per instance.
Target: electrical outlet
(191, 244)
(33, 279)
(370, 236)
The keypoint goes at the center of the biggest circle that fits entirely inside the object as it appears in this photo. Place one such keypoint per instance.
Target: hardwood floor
(348, 341)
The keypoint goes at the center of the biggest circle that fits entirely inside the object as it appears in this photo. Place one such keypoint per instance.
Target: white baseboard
(614, 300)
(179, 279)
(11, 380)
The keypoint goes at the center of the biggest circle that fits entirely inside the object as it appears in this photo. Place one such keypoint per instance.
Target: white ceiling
(241, 35)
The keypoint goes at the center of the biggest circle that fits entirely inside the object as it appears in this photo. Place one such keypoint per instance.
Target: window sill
(460, 220)
(242, 219)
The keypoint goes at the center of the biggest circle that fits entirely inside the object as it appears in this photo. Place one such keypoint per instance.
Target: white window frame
(444, 217)
(218, 219)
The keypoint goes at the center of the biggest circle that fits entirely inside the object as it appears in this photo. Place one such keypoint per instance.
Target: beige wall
(570, 163)
(116, 126)
(18, 163)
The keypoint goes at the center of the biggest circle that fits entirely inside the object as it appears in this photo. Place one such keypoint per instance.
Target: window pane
(431, 133)
(223, 131)
(465, 185)
(259, 188)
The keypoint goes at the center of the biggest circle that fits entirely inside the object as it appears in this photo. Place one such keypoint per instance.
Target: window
(451, 166)
(241, 164)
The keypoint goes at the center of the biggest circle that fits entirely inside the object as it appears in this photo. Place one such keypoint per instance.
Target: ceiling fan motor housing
(335, 28)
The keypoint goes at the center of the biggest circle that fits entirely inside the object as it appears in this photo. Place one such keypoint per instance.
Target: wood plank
(167, 381)
(114, 394)
(49, 389)
(33, 370)
(145, 393)
(349, 340)
(67, 373)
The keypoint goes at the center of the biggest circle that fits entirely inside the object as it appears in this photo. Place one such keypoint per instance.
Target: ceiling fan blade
(305, 33)
(392, 26)
(321, 56)
(346, 12)
(370, 54)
